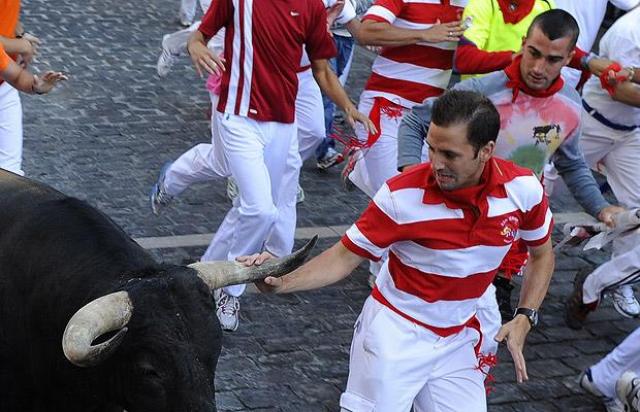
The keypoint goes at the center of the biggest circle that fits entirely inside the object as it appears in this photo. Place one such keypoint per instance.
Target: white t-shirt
(620, 43)
(589, 15)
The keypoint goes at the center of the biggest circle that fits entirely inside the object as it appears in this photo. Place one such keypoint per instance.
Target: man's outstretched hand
(514, 333)
(268, 285)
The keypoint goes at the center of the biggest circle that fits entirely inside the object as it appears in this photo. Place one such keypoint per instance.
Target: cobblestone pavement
(104, 135)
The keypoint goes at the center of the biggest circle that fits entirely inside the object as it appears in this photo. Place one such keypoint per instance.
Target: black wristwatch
(531, 314)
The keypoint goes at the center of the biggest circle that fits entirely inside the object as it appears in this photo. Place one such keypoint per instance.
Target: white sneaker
(585, 381)
(228, 310)
(166, 59)
(625, 301)
(628, 390)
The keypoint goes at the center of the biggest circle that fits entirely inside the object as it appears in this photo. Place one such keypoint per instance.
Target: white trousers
(10, 129)
(619, 153)
(201, 163)
(378, 163)
(309, 114)
(624, 357)
(396, 365)
(188, 7)
(263, 159)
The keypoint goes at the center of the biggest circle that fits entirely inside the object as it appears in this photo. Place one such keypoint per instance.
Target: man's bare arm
(330, 85)
(331, 266)
(373, 33)
(627, 93)
(22, 80)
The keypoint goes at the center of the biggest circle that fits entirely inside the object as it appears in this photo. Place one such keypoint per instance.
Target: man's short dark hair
(470, 108)
(556, 24)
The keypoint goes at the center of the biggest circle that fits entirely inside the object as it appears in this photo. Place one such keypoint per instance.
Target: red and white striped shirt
(407, 75)
(445, 247)
(263, 48)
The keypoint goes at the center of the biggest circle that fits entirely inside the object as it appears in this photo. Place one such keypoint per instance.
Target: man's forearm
(197, 37)
(330, 85)
(537, 277)
(627, 93)
(19, 78)
(385, 34)
(15, 46)
(331, 266)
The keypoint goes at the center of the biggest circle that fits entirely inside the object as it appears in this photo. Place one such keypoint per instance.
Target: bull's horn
(218, 274)
(105, 314)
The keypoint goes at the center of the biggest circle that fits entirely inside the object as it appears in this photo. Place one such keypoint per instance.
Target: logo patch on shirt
(294, 13)
(509, 228)
(547, 134)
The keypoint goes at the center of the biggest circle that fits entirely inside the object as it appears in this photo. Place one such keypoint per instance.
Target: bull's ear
(218, 274)
(106, 314)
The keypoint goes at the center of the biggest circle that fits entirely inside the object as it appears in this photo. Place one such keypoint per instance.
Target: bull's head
(110, 316)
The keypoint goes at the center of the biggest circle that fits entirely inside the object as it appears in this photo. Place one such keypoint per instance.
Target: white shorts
(396, 364)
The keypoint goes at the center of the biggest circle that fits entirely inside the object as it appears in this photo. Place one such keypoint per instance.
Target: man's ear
(486, 151)
(570, 57)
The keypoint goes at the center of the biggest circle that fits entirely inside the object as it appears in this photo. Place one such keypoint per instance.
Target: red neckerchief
(516, 83)
(460, 198)
(514, 15)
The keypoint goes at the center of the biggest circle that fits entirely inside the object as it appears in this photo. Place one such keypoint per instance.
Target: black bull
(148, 339)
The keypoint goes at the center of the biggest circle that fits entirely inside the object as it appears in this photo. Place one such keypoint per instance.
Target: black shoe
(575, 311)
(503, 296)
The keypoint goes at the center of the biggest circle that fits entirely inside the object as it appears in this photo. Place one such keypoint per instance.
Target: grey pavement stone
(103, 137)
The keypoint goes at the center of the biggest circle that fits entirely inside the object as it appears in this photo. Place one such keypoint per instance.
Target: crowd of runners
(472, 111)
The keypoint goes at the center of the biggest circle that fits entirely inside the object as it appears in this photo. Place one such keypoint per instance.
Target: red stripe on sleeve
(357, 249)
(377, 227)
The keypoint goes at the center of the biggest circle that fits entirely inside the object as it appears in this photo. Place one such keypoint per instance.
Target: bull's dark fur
(56, 254)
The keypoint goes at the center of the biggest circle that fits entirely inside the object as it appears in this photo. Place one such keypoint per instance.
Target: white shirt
(620, 43)
(589, 15)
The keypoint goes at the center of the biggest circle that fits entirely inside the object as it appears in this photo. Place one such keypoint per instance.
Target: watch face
(534, 318)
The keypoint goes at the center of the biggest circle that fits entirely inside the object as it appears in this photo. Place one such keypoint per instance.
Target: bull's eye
(149, 372)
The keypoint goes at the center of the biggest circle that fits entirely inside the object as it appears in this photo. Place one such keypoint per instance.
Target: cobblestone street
(103, 137)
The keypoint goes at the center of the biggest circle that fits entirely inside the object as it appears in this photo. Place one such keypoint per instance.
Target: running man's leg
(619, 153)
(624, 357)
(311, 127)
(281, 237)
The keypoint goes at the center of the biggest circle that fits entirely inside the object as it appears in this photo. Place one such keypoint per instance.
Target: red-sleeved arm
(217, 16)
(469, 59)
(576, 61)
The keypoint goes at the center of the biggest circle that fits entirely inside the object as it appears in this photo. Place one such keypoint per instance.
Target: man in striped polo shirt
(418, 39)
(446, 225)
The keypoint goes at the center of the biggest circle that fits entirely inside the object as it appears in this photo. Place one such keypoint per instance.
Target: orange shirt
(9, 17)
(4, 59)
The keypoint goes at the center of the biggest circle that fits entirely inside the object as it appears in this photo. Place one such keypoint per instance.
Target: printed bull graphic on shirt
(532, 129)
(546, 134)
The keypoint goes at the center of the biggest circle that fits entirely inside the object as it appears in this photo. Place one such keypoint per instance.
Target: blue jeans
(345, 46)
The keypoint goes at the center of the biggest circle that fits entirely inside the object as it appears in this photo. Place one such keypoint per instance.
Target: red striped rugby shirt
(407, 75)
(445, 247)
(263, 48)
